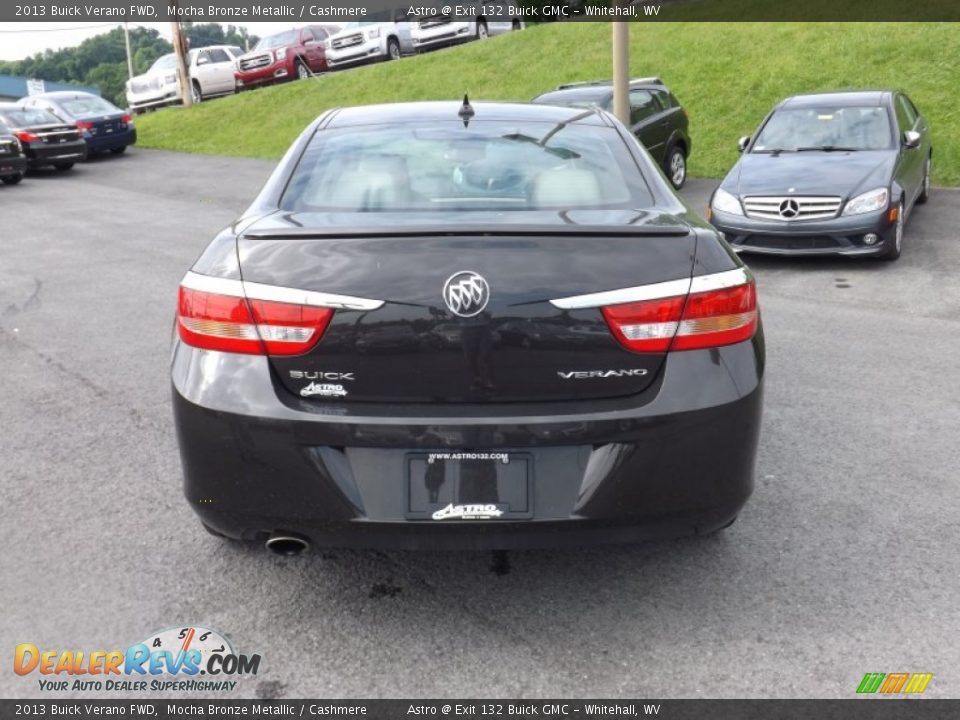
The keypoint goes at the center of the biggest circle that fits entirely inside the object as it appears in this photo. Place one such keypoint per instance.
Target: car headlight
(170, 79)
(870, 201)
(328, 44)
(726, 203)
(373, 33)
(281, 54)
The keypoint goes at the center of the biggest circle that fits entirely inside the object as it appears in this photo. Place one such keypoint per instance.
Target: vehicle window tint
(219, 55)
(203, 57)
(664, 98)
(28, 117)
(446, 167)
(236, 51)
(857, 128)
(642, 105)
(307, 36)
(906, 116)
(87, 106)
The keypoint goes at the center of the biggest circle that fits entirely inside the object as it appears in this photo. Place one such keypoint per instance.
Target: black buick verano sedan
(456, 326)
(831, 173)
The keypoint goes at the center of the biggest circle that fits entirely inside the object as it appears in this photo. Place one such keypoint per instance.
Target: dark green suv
(656, 117)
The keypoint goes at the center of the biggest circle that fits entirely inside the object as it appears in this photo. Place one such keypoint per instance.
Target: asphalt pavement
(844, 562)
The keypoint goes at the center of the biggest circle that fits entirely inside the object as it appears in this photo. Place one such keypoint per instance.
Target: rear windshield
(444, 166)
(28, 117)
(281, 40)
(88, 106)
(853, 128)
(576, 97)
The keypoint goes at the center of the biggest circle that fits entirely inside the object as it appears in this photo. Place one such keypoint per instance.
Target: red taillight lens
(84, 125)
(719, 317)
(234, 324)
(126, 119)
(25, 136)
(701, 320)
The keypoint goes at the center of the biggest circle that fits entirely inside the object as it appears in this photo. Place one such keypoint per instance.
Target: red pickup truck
(285, 56)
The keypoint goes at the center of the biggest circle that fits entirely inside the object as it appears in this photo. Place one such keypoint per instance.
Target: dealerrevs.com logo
(175, 660)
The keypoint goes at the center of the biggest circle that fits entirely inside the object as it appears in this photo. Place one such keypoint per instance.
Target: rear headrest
(565, 187)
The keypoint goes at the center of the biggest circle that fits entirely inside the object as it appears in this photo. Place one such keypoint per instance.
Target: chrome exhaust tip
(286, 545)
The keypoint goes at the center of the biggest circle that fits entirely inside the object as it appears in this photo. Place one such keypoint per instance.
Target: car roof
(412, 112)
(838, 97)
(64, 95)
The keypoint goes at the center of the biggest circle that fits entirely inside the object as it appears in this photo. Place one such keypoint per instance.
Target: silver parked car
(211, 73)
(385, 37)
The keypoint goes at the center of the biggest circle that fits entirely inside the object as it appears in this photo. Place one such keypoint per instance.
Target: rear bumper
(837, 236)
(40, 154)
(676, 460)
(109, 141)
(12, 165)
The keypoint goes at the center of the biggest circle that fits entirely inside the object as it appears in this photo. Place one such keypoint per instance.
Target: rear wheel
(303, 71)
(393, 49)
(12, 179)
(925, 192)
(63, 166)
(516, 24)
(119, 150)
(676, 167)
(482, 32)
(196, 94)
(893, 251)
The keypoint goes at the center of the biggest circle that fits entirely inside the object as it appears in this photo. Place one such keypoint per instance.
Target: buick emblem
(466, 293)
(789, 209)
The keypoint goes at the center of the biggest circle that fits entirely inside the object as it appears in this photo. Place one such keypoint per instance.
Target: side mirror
(743, 142)
(911, 140)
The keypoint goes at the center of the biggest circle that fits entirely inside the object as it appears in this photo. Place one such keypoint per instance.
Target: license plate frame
(465, 486)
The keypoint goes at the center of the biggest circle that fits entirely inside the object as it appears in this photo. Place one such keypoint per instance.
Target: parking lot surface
(844, 562)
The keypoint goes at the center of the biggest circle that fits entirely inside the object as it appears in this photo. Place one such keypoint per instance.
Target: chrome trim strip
(670, 288)
(716, 281)
(275, 293)
(258, 291)
(208, 283)
(655, 291)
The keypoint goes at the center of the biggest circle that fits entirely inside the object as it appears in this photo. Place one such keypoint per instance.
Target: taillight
(712, 318)
(213, 321)
(126, 119)
(84, 125)
(26, 136)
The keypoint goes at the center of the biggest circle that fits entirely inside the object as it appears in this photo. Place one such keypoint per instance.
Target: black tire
(196, 93)
(12, 179)
(925, 192)
(63, 166)
(896, 247)
(516, 25)
(393, 49)
(303, 72)
(482, 32)
(675, 166)
(119, 150)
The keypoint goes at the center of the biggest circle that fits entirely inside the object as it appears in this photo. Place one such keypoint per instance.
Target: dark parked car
(828, 174)
(453, 220)
(46, 139)
(657, 118)
(13, 163)
(104, 126)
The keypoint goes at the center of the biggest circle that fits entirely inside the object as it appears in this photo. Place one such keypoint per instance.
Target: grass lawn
(728, 75)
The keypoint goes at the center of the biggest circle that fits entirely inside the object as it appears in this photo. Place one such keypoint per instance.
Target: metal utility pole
(180, 49)
(126, 39)
(621, 72)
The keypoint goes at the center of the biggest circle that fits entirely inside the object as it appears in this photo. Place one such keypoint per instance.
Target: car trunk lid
(428, 344)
